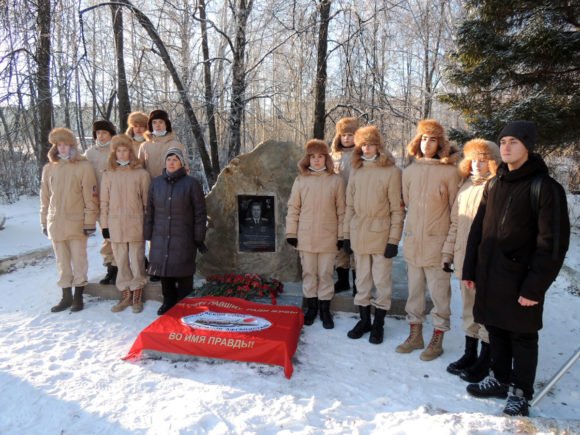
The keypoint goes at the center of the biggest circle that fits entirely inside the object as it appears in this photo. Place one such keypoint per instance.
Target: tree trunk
(320, 91)
(124, 104)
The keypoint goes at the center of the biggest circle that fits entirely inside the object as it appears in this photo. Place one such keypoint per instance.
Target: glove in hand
(106, 234)
(292, 241)
(346, 246)
(391, 250)
(200, 247)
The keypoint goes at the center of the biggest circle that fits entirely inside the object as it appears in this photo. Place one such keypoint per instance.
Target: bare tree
(124, 104)
(320, 90)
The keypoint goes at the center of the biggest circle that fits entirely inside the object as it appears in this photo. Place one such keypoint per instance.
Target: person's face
(123, 154)
(256, 211)
(64, 148)
(480, 166)
(103, 136)
(317, 160)
(369, 150)
(139, 130)
(159, 125)
(347, 140)
(429, 145)
(513, 152)
(172, 163)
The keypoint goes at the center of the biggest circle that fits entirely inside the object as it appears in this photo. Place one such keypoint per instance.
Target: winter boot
(342, 284)
(326, 315)
(169, 300)
(154, 278)
(489, 387)
(414, 340)
(111, 275)
(137, 300)
(124, 302)
(65, 302)
(468, 359)
(77, 304)
(311, 311)
(479, 370)
(353, 283)
(378, 328)
(364, 324)
(517, 404)
(435, 347)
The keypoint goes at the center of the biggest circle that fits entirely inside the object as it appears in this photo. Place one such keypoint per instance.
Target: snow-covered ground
(63, 373)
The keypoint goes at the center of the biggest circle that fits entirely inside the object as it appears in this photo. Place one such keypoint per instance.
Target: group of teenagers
(490, 213)
(483, 215)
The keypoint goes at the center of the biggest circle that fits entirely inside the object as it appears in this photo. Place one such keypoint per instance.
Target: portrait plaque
(256, 223)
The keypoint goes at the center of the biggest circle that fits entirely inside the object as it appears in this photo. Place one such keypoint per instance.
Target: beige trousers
(439, 284)
(344, 260)
(130, 258)
(71, 262)
(373, 269)
(472, 329)
(317, 272)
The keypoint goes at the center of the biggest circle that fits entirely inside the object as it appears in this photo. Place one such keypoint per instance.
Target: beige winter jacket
(152, 152)
(343, 163)
(429, 190)
(123, 202)
(374, 211)
(316, 211)
(98, 156)
(68, 199)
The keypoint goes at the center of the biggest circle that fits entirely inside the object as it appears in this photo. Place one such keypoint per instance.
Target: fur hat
(119, 141)
(445, 152)
(525, 131)
(177, 152)
(159, 114)
(314, 146)
(104, 124)
(479, 149)
(62, 135)
(343, 126)
(370, 135)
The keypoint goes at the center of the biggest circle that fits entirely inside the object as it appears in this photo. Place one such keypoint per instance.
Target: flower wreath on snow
(244, 286)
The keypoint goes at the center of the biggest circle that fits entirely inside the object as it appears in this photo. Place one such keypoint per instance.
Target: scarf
(123, 162)
(138, 138)
(369, 159)
(317, 170)
(102, 145)
(160, 133)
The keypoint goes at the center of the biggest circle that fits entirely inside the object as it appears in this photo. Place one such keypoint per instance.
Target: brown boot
(65, 302)
(77, 304)
(138, 300)
(126, 300)
(435, 347)
(414, 340)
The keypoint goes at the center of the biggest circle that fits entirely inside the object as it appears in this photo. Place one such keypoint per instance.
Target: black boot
(378, 328)
(169, 299)
(325, 315)
(364, 324)
(111, 275)
(77, 304)
(353, 283)
(65, 302)
(479, 370)
(468, 358)
(311, 311)
(342, 284)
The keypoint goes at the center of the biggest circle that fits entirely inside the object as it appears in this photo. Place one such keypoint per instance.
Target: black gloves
(391, 250)
(292, 241)
(89, 231)
(200, 247)
(45, 232)
(339, 245)
(106, 234)
(447, 267)
(346, 246)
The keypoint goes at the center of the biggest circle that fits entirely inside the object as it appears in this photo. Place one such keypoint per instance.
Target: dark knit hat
(159, 114)
(103, 124)
(525, 131)
(177, 152)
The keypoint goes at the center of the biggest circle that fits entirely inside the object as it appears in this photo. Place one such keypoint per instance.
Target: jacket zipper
(504, 217)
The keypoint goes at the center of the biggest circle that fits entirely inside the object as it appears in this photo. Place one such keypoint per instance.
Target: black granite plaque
(256, 218)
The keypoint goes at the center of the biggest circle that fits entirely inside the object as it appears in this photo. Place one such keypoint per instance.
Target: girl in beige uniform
(136, 129)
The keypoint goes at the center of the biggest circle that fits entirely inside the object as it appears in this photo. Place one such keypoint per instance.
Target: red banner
(227, 328)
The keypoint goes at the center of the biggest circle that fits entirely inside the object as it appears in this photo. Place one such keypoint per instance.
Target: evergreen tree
(518, 60)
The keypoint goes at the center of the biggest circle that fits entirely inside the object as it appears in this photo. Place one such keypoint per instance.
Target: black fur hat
(159, 114)
(104, 124)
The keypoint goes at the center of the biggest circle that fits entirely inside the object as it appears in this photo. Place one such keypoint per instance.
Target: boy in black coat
(515, 249)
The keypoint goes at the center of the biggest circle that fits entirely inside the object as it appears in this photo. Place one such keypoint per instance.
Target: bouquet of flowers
(244, 286)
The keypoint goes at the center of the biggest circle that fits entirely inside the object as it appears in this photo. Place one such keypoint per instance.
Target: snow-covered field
(62, 373)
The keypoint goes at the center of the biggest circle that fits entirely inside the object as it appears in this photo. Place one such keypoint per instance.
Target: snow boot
(78, 304)
(124, 302)
(169, 300)
(65, 302)
(378, 328)
(325, 315)
(311, 311)
(489, 387)
(479, 370)
(342, 284)
(435, 346)
(111, 275)
(468, 359)
(364, 324)
(517, 404)
(353, 283)
(137, 300)
(414, 340)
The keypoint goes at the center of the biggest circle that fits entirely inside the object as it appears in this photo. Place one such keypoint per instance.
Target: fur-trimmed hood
(479, 148)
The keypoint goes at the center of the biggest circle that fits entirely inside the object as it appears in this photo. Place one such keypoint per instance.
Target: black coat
(175, 219)
(510, 252)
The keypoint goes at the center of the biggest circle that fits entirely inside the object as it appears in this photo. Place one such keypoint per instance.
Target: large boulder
(264, 175)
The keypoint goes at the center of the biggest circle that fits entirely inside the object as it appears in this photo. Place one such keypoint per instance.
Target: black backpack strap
(535, 190)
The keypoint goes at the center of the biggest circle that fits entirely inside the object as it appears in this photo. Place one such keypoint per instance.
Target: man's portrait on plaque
(257, 224)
